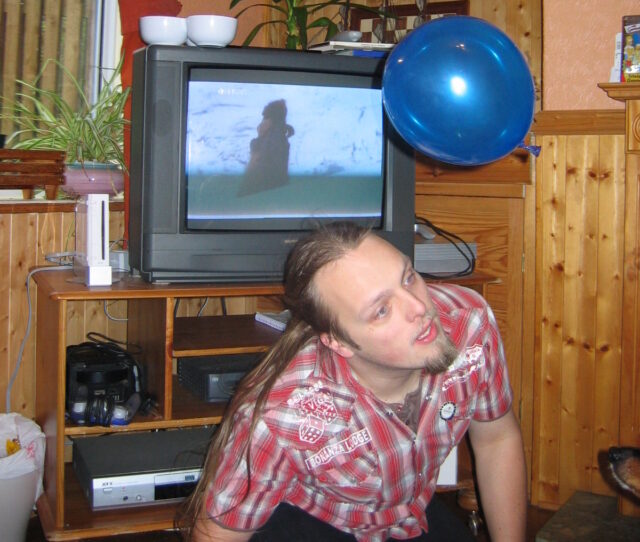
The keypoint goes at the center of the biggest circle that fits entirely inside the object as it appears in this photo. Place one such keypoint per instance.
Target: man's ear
(337, 346)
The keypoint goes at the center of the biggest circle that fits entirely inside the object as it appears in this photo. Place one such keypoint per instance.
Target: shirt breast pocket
(350, 476)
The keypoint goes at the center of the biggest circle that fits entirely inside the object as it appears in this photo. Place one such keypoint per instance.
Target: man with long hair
(339, 433)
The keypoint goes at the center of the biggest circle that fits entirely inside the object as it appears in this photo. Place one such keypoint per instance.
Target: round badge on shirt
(447, 410)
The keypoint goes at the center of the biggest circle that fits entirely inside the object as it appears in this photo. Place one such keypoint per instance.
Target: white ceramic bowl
(161, 30)
(211, 30)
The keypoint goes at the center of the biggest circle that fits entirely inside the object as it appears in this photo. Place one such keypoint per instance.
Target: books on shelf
(615, 74)
(276, 320)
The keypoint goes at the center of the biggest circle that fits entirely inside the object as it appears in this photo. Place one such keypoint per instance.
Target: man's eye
(382, 312)
(410, 277)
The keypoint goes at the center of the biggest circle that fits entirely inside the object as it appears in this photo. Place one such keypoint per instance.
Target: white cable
(28, 330)
(203, 306)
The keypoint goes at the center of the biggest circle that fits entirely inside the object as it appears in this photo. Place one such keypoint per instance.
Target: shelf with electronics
(63, 509)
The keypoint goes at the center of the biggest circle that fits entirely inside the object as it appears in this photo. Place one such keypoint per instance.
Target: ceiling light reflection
(458, 86)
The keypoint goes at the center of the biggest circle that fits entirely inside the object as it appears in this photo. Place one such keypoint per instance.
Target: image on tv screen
(282, 155)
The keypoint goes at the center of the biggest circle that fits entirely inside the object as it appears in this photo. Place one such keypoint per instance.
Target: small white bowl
(211, 30)
(161, 30)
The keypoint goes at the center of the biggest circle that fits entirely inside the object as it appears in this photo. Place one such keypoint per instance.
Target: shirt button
(390, 413)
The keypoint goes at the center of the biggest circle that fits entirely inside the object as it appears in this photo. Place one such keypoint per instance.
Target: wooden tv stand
(63, 510)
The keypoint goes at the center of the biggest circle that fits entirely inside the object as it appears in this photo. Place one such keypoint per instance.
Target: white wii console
(91, 261)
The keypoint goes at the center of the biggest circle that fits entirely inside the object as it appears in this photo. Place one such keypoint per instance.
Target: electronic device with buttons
(134, 469)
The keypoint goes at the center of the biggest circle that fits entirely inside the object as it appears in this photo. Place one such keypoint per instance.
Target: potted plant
(91, 134)
(297, 17)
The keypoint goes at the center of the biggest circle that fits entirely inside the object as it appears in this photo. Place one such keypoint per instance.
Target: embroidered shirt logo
(316, 407)
(345, 446)
(473, 354)
(464, 366)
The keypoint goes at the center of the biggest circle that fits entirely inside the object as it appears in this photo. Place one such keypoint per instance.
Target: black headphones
(99, 411)
(103, 379)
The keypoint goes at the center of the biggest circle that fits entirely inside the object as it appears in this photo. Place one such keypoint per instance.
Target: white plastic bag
(15, 428)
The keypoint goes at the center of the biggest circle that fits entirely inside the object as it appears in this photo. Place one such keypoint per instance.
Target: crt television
(237, 152)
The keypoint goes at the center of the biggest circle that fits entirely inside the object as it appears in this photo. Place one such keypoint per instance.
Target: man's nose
(414, 306)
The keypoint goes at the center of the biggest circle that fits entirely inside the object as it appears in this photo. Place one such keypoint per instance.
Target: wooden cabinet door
(495, 224)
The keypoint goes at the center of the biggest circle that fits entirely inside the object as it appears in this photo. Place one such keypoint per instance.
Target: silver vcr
(132, 469)
(438, 257)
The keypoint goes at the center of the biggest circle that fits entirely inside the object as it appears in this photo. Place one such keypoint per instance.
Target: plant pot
(92, 178)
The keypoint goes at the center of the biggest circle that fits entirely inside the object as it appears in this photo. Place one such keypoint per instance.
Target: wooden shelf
(621, 91)
(64, 285)
(81, 522)
(151, 324)
(629, 93)
(207, 335)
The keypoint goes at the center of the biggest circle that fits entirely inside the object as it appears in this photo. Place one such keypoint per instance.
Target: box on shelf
(630, 48)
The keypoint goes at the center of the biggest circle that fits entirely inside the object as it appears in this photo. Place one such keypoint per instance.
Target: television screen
(278, 155)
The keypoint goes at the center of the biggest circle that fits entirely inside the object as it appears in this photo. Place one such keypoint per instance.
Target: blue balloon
(459, 90)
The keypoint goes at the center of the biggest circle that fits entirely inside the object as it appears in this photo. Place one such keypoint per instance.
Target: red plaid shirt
(329, 446)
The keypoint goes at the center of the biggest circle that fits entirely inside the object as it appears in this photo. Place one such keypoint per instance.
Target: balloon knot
(533, 149)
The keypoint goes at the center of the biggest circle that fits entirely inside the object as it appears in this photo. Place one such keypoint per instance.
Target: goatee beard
(445, 359)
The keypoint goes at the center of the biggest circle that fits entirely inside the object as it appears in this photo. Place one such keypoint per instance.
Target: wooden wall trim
(587, 122)
(471, 189)
(513, 169)
(29, 206)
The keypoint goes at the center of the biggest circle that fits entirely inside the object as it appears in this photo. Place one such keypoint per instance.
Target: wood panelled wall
(28, 234)
(521, 20)
(580, 238)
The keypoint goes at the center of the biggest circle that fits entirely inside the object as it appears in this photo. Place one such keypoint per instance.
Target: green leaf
(251, 36)
(297, 15)
(276, 8)
(321, 22)
(43, 119)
